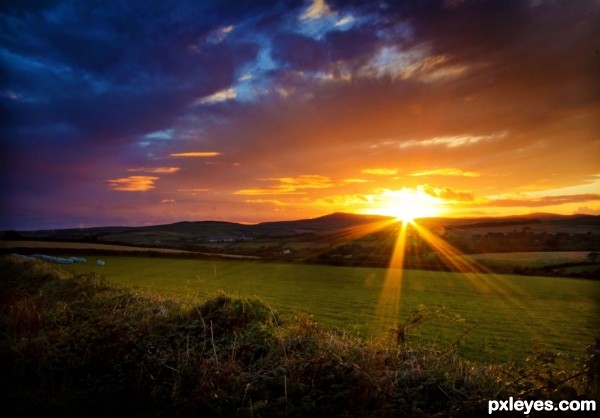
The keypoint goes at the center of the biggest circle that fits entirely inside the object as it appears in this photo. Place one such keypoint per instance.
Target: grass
(75, 345)
(529, 259)
(507, 317)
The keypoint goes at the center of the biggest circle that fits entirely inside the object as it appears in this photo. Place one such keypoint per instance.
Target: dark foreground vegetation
(77, 346)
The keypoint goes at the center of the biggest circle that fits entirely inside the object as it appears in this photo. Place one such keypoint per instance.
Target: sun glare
(407, 204)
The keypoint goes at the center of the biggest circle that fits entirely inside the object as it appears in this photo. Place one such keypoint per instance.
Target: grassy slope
(512, 315)
(76, 346)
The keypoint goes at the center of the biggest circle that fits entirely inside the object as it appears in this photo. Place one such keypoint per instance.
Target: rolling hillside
(307, 238)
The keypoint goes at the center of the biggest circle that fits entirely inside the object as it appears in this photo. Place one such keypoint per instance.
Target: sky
(149, 112)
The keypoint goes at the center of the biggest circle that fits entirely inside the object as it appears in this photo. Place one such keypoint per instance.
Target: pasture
(528, 259)
(505, 318)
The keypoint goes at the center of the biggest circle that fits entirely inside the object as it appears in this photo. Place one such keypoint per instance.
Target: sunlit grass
(562, 312)
(389, 301)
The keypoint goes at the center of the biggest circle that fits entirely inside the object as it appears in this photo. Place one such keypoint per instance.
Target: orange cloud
(266, 191)
(167, 201)
(161, 170)
(353, 201)
(355, 181)
(291, 185)
(380, 171)
(544, 200)
(444, 172)
(196, 154)
(273, 201)
(192, 190)
(316, 10)
(133, 183)
(452, 141)
(447, 194)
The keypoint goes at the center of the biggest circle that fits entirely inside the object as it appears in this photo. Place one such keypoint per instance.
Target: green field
(529, 259)
(511, 315)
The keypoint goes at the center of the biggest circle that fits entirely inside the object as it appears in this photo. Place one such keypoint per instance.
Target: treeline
(524, 240)
(75, 346)
(376, 251)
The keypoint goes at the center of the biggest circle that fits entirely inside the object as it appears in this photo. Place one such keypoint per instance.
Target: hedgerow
(75, 345)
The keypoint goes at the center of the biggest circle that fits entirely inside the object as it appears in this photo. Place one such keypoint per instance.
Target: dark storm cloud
(87, 48)
(112, 69)
(521, 47)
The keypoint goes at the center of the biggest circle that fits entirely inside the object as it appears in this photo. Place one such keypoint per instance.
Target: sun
(407, 204)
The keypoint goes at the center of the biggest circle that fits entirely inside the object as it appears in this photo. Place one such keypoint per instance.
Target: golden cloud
(444, 172)
(349, 181)
(452, 141)
(447, 194)
(133, 183)
(351, 200)
(380, 171)
(316, 10)
(196, 154)
(291, 185)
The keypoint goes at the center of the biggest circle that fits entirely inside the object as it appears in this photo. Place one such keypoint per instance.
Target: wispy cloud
(164, 201)
(272, 201)
(448, 194)
(268, 191)
(196, 154)
(195, 190)
(451, 141)
(220, 96)
(417, 63)
(380, 171)
(444, 172)
(291, 185)
(544, 201)
(346, 20)
(349, 181)
(160, 170)
(133, 183)
(335, 202)
(218, 35)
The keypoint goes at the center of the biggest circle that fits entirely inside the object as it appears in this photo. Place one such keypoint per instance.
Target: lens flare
(389, 302)
(483, 281)
(406, 204)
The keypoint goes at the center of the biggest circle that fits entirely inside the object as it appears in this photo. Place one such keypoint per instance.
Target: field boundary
(7, 246)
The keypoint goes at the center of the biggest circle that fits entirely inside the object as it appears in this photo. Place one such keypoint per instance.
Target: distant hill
(185, 233)
(328, 228)
(324, 223)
